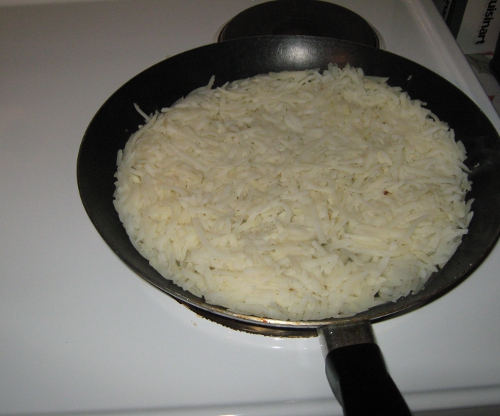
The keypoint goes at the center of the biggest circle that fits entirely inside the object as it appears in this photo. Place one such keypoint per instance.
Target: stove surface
(80, 332)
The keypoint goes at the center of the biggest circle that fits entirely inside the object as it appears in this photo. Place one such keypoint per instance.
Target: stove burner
(300, 17)
(252, 328)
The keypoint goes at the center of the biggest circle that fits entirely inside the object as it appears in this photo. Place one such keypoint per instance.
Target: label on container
(474, 23)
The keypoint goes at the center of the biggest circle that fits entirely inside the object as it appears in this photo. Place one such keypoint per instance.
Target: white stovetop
(80, 332)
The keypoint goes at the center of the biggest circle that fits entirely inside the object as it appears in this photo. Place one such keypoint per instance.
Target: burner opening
(299, 17)
(296, 27)
(252, 328)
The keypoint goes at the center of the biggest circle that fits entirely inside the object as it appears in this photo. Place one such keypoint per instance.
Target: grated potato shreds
(295, 195)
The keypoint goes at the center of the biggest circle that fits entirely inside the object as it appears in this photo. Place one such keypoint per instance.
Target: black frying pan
(354, 364)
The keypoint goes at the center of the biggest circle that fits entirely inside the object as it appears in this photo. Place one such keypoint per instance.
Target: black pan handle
(357, 373)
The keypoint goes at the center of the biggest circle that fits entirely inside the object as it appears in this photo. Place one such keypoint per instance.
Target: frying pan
(354, 363)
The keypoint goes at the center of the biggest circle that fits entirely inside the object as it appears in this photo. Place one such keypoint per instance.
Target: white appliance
(81, 333)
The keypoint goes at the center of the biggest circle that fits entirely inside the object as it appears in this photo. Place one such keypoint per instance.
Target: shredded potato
(295, 195)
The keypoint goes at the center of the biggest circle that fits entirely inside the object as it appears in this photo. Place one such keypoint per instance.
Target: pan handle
(357, 373)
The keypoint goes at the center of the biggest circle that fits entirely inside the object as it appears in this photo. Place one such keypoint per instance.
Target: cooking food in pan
(296, 195)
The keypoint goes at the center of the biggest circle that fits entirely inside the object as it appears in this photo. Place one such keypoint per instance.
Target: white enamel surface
(80, 332)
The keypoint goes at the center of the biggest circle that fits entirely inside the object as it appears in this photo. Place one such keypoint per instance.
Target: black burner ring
(300, 17)
(252, 328)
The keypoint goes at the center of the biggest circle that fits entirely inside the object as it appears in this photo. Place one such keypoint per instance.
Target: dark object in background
(452, 12)
(495, 62)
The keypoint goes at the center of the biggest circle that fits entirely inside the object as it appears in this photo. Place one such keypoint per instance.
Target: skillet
(354, 363)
